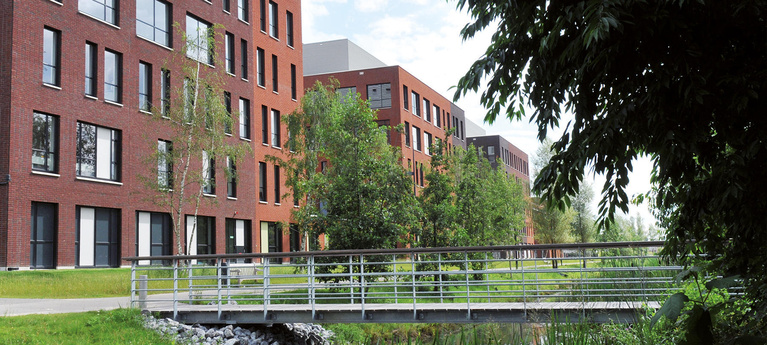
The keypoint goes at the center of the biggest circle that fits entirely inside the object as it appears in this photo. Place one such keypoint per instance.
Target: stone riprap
(278, 334)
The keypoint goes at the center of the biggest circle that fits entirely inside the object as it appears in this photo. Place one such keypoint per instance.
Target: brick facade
(22, 92)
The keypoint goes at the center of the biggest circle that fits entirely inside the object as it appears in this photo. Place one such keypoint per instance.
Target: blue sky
(423, 37)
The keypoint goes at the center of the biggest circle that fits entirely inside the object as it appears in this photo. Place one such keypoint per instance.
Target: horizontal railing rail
(410, 278)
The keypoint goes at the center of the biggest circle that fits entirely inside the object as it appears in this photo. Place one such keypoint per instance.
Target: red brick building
(75, 78)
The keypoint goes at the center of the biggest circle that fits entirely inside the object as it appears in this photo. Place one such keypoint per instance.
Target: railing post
(362, 285)
(412, 279)
(524, 292)
(487, 279)
(132, 282)
(582, 282)
(394, 260)
(175, 289)
(312, 292)
(439, 266)
(218, 286)
(142, 291)
(266, 287)
(189, 275)
(351, 279)
(468, 291)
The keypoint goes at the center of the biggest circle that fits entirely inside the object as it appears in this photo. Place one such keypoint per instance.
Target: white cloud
(370, 5)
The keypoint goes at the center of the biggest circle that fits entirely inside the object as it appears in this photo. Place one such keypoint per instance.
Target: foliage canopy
(680, 81)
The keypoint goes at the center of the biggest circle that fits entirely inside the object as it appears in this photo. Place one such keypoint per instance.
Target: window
(238, 238)
(226, 6)
(98, 237)
(244, 58)
(407, 133)
(379, 95)
(201, 235)
(404, 96)
(420, 169)
(436, 116)
(113, 76)
(264, 125)
(51, 56)
(165, 92)
(189, 100)
(197, 34)
(427, 110)
(416, 104)
(277, 195)
(289, 28)
(244, 118)
(45, 142)
(276, 130)
(144, 86)
(153, 235)
(463, 135)
(98, 152)
(228, 107)
(293, 89)
(275, 80)
(262, 181)
(90, 69)
(491, 150)
(231, 180)
(427, 142)
(104, 10)
(417, 138)
(164, 164)
(344, 92)
(153, 21)
(273, 241)
(229, 52)
(262, 18)
(42, 240)
(208, 173)
(260, 68)
(242, 10)
(274, 30)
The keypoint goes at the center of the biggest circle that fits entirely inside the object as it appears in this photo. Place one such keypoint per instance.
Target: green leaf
(750, 340)
(690, 272)
(723, 283)
(699, 326)
(671, 309)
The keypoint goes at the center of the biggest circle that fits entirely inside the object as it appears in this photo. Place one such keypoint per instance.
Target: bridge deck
(621, 312)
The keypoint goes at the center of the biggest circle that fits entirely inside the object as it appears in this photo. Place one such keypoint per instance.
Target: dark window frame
(51, 59)
(45, 146)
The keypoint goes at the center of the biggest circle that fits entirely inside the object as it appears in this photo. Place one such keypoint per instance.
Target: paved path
(23, 306)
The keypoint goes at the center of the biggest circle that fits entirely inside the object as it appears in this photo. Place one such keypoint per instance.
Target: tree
(552, 224)
(583, 221)
(679, 81)
(194, 119)
(362, 198)
(438, 201)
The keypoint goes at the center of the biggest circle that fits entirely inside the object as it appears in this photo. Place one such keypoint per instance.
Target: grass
(120, 326)
(80, 283)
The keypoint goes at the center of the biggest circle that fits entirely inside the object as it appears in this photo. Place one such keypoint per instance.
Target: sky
(423, 37)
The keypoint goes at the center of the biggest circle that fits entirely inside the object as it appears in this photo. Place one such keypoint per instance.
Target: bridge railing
(625, 271)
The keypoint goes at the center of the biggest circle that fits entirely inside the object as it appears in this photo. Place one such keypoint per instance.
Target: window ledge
(228, 134)
(145, 112)
(276, 147)
(275, 92)
(230, 198)
(277, 204)
(246, 139)
(56, 2)
(92, 97)
(113, 103)
(263, 202)
(90, 179)
(274, 38)
(208, 195)
(155, 43)
(99, 20)
(244, 79)
(230, 74)
(262, 86)
(227, 12)
(291, 47)
(243, 21)
(43, 173)
(265, 144)
(52, 86)
(263, 32)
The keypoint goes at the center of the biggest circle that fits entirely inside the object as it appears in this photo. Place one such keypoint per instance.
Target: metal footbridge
(594, 282)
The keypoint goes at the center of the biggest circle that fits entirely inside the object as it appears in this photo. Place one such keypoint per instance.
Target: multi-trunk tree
(194, 119)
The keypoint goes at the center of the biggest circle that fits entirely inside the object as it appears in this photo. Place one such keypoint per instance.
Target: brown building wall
(28, 94)
(398, 113)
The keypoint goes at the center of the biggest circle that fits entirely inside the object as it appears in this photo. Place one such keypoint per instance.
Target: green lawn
(79, 283)
(121, 326)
